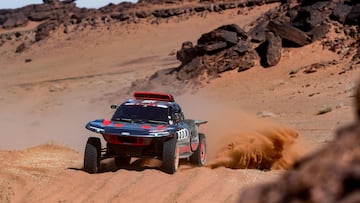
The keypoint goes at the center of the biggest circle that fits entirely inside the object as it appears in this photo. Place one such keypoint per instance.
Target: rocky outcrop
(43, 30)
(327, 176)
(293, 23)
(66, 12)
(229, 47)
(308, 18)
(217, 51)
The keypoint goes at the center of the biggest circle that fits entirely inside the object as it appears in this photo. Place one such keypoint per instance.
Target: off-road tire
(199, 156)
(92, 155)
(170, 156)
(121, 162)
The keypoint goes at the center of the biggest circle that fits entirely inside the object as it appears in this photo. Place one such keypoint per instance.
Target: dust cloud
(239, 140)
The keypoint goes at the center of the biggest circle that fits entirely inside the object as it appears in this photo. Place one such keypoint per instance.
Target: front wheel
(199, 156)
(170, 156)
(92, 155)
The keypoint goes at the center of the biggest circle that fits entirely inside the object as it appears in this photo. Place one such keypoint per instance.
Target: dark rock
(179, 11)
(226, 6)
(142, 14)
(120, 16)
(242, 47)
(191, 70)
(254, 3)
(318, 32)
(67, 1)
(271, 1)
(22, 47)
(200, 8)
(187, 45)
(257, 33)
(353, 18)
(3, 18)
(41, 8)
(28, 60)
(273, 53)
(212, 48)
(310, 2)
(286, 31)
(234, 28)
(246, 62)
(6, 11)
(18, 34)
(166, 13)
(307, 19)
(43, 30)
(218, 36)
(15, 20)
(217, 8)
(53, 2)
(186, 53)
(340, 12)
(40, 16)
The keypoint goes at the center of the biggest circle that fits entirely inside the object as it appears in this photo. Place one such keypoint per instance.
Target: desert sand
(74, 78)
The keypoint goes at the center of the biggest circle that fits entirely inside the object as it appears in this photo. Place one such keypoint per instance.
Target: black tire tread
(168, 156)
(92, 155)
(196, 157)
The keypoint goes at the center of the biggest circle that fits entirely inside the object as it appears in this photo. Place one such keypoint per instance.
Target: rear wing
(153, 96)
(198, 123)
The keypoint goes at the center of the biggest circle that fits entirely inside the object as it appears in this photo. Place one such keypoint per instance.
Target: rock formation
(229, 47)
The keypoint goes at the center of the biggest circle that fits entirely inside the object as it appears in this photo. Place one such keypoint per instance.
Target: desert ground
(74, 78)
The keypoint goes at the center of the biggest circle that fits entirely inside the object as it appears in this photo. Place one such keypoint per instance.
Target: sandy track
(58, 179)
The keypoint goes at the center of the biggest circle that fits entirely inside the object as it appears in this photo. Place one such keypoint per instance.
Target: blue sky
(79, 3)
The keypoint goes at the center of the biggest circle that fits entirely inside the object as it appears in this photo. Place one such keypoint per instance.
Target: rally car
(149, 125)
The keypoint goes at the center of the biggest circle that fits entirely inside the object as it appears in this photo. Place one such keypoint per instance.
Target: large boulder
(218, 35)
(273, 53)
(340, 12)
(40, 16)
(289, 32)
(234, 28)
(15, 20)
(308, 18)
(44, 29)
(257, 33)
(318, 32)
(186, 53)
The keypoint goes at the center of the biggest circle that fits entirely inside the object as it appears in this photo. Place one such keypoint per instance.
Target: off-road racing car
(149, 125)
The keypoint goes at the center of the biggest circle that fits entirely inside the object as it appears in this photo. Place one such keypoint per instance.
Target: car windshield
(141, 113)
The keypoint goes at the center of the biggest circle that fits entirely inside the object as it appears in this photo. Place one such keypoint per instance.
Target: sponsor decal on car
(183, 134)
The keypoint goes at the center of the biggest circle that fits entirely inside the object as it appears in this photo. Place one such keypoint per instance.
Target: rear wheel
(92, 155)
(199, 156)
(170, 156)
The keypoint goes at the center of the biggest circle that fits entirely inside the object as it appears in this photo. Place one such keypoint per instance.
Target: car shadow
(136, 164)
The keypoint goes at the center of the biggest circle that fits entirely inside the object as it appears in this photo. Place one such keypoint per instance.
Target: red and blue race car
(149, 125)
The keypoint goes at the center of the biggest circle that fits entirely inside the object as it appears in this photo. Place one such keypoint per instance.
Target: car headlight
(157, 133)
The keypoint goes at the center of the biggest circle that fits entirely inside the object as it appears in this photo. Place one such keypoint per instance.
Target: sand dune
(74, 79)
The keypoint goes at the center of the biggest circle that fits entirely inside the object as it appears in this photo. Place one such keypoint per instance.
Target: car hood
(103, 126)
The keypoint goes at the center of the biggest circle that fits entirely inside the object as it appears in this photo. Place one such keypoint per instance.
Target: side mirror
(113, 106)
